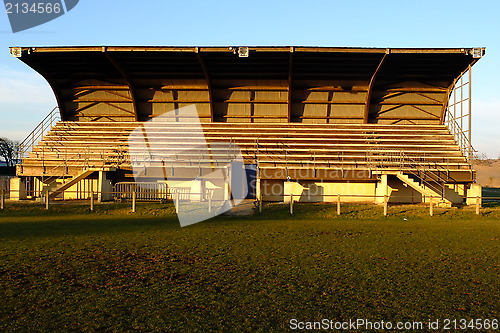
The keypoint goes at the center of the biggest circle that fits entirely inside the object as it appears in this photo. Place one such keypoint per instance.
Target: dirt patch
(488, 172)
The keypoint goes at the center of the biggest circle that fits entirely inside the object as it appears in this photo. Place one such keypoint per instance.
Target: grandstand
(314, 122)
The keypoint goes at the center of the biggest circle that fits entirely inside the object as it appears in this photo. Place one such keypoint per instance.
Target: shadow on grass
(78, 226)
(32, 220)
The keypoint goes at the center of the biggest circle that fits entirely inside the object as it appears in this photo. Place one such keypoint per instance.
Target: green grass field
(72, 270)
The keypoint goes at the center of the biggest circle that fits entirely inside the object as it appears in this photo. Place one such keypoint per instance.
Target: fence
(159, 193)
(144, 191)
(433, 202)
(147, 191)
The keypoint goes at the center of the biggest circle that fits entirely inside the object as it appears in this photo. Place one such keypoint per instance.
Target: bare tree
(9, 151)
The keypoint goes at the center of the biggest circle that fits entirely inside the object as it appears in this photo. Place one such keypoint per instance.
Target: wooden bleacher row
(276, 156)
(79, 144)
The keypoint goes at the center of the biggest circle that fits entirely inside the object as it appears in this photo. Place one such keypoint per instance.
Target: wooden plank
(254, 116)
(253, 102)
(254, 88)
(121, 115)
(97, 87)
(331, 117)
(331, 88)
(177, 101)
(100, 101)
(330, 102)
(403, 103)
(409, 118)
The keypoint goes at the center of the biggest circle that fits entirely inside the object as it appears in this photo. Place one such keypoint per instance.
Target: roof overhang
(121, 76)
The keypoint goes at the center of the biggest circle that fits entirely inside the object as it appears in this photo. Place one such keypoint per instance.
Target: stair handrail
(418, 165)
(379, 158)
(86, 155)
(38, 132)
(425, 171)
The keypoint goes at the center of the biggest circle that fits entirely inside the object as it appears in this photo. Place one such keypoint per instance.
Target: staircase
(426, 191)
(61, 188)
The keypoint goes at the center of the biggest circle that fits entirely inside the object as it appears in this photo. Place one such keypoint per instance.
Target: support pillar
(473, 192)
(17, 189)
(288, 190)
(258, 191)
(196, 190)
(381, 190)
(227, 191)
(104, 187)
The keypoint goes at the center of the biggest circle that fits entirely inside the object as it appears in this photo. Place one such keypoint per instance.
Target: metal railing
(458, 115)
(461, 137)
(51, 174)
(425, 175)
(144, 191)
(418, 170)
(38, 133)
(152, 191)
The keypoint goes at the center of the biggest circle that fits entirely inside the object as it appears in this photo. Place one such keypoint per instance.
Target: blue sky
(25, 98)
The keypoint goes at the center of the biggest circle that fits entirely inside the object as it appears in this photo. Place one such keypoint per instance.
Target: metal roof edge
(326, 49)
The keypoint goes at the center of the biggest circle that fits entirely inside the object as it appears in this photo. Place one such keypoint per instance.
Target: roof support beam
(370, 87)
(290, 77)
(209, 84)
(128, 80)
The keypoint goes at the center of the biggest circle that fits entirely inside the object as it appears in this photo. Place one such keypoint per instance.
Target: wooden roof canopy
(254, 84)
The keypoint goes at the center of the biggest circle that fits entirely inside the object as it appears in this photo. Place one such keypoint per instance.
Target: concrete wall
(474, 191)
(399, 192)
(272, 190)
(313, 191)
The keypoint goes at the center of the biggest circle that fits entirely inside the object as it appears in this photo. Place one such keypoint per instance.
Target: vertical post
(431, 206)
(338, 204)
(478, 205)
(134, 198)
(177, 200)
(47, 200)
(260, 205)
(91, 201)
(291, 204)
(2, 199)
(385, 204)
(461, 98)
(210, 203)
(469, 134)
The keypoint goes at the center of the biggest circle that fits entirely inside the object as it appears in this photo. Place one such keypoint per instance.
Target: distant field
(111, 270)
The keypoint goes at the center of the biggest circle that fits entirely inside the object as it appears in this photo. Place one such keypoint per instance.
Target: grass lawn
(71, 270)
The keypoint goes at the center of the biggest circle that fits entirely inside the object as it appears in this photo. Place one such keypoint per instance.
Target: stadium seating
(72, 147)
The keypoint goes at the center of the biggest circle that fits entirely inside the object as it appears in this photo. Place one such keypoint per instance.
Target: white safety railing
(38, 133)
